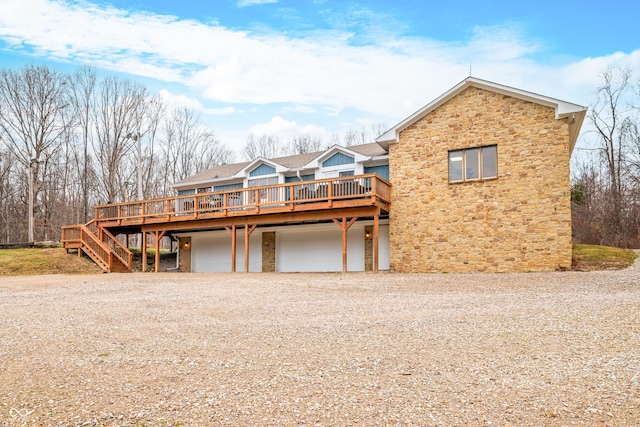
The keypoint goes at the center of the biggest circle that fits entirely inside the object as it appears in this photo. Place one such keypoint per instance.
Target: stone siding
(269, 252)
(184, 254)
(520, 221)
(368, 248)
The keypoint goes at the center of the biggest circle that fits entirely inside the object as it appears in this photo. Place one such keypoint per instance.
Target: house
(476, 180)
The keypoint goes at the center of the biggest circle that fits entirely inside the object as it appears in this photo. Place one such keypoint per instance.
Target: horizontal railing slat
(249, 199)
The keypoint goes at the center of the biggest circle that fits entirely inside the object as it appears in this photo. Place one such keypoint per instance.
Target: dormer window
(261, 182)
(262, 175)
(339, 164)
(263, 169)
(338, 159)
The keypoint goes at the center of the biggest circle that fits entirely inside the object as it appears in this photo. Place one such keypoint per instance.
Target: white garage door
(318, 248)
(211, 252)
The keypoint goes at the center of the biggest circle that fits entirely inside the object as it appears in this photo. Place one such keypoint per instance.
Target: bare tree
(608, 212)
(190, 147)
(8, 193)
(364, 135)
(303, 145)
(148, 179)
(266, 146)
(117, 119)
(81, 97)
(608, 116)
(31, 121)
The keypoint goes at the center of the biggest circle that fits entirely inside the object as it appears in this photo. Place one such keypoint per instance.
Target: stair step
(117, 264)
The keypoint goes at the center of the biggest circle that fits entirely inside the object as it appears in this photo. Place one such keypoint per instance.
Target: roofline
(563, 109)
(177, 185)
(245, 171)
(315, 162)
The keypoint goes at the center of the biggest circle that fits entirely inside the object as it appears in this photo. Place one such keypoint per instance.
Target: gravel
(357, 349)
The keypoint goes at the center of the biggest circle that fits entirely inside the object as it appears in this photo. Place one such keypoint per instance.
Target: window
(260, 182)
(266, 194)
(473, 164)
(347, 173)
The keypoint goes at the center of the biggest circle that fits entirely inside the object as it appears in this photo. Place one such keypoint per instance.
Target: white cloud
(244, 3)
(390, 77)
(220, 111)
(180, 100)
(286, 129)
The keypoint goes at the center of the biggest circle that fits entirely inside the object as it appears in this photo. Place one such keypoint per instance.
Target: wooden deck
(319, 195)
(341, 200)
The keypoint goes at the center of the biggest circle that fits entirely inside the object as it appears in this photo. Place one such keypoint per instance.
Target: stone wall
(368, 248)
(269, 252)
(520, 221)
(184, 254)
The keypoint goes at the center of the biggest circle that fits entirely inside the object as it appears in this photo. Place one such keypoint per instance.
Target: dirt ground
(173, 349)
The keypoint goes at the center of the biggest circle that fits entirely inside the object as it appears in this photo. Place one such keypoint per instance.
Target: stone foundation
(269, 252)
(184, 254)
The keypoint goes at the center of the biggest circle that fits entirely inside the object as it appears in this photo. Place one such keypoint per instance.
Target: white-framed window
(266, 194)
(261, 182)
(338, 173)
(473, 164)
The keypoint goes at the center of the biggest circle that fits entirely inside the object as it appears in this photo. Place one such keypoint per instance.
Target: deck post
(246, 248)
(247, 232)
(144, 251)
(344, 245)
(159, 236)
(344, 226)
(232, 230)
(376, 230)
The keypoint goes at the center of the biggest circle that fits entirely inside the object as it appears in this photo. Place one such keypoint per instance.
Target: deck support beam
(248, 229)
(344, 226)
(376, 234)
(159, 235)
(232, 231)
(144, 251)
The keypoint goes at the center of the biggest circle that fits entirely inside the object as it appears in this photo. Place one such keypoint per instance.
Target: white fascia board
(211, 181)
(562, 108)
(317, 162)
(244, 172)
(377, 161)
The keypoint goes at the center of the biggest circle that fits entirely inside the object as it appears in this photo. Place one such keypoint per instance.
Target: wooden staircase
(100, 245)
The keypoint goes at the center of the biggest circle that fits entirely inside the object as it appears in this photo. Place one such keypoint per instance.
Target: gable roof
(331, 151)
(216, 172)
(563, 109)
(372, 149)
(295, 162)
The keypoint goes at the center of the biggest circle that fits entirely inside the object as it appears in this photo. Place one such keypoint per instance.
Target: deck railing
(91, 245)
(99, 244)
(118, 249)
(288, 196)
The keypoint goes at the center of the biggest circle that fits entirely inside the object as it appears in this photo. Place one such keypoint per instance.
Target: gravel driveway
(174, 349)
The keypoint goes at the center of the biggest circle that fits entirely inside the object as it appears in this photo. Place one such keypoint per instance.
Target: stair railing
(119, 250)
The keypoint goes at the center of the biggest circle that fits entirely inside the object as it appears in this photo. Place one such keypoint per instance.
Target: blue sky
(320, 67)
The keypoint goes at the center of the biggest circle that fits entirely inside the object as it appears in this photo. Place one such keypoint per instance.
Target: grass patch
(595, 257)
(33, 261)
